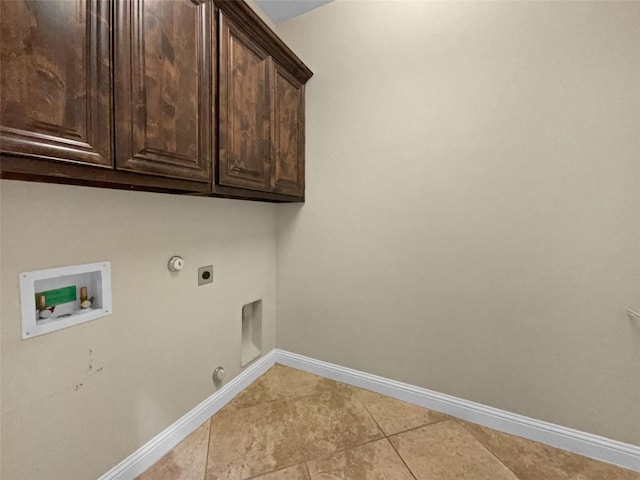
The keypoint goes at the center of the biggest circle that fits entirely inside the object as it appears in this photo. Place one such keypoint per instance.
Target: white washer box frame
(31, 327)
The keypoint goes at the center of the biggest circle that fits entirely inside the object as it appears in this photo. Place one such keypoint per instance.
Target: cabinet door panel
(55, 89)
(288, 134)
(245, 150)
(163, 96)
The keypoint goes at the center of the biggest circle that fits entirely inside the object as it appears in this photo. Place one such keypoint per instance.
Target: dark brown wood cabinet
(55, 87)
(127, 94)
(244, 152)
(287, 172)
(261, 108)
(163, 89)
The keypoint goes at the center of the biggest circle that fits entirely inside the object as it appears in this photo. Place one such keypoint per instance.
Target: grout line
(487, 449)
(420, 426)
(206, 463)
(294, 424)
(290, 410)
(281, 391)
(340, 450)
(296, 428)
(386, 437)
(373, 418)
(284, 400)
(282, 383)
(233, 408)
(272, 471)
(401, 459)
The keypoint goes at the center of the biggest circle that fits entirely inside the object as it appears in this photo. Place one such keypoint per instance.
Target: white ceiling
(280, 10)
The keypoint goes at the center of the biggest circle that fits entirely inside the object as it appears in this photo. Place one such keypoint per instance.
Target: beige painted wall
(472, 222)
(471, 227)
(78, 401)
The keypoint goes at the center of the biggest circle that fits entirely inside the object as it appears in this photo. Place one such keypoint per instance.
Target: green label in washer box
(58, 296)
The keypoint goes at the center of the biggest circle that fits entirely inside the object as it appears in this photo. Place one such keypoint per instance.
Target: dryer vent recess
(251, 332)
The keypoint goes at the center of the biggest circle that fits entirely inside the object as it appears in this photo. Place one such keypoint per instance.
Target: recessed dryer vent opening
(251, 332)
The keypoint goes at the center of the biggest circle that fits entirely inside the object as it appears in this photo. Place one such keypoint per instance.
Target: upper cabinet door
(288, 134)
(244, 111)
(163, 95)
(55, 90)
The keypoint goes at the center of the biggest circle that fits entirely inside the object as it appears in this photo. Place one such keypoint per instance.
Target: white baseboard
(589, 445)
(161, 444)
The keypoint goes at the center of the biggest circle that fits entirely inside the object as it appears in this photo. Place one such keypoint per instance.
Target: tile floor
(291, 425)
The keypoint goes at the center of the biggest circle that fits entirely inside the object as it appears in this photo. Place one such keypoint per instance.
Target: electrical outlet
(205, 275)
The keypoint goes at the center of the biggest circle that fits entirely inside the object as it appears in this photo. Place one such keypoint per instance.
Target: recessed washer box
(52, 299)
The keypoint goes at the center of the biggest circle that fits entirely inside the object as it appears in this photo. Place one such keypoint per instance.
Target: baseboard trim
(589, 445)
(161, 444)
(593, 446)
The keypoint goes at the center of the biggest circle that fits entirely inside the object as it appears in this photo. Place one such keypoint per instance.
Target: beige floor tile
(594, 470)
(446, 451)
(528, 460)
(288, 416)
(373, 461)
(534, 461)
(187, 461)
(296, 383)
(331, 421)
(266, 388)
(395, 416)
(330, 388)
(251, 441)
(297, 472)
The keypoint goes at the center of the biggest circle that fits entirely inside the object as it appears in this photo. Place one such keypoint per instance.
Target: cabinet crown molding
(246, 19)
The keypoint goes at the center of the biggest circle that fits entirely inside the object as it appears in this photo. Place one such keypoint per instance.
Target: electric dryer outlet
(205, 275)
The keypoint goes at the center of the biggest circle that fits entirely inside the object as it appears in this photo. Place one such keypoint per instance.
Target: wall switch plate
(205, 275)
